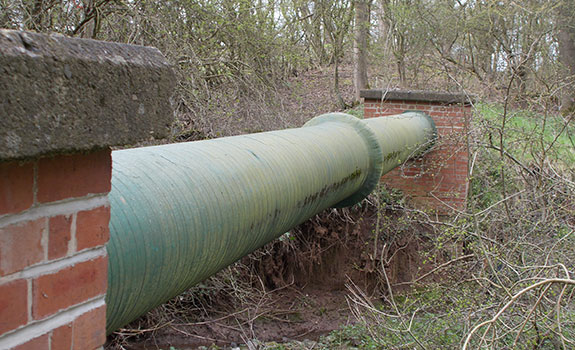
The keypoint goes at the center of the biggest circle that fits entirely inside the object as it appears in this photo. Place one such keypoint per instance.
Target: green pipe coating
(182, 212)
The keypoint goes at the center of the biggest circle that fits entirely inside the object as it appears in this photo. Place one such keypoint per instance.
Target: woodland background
(255, 65)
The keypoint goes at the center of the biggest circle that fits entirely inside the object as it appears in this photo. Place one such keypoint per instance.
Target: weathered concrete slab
(417, 96)
(60, 94)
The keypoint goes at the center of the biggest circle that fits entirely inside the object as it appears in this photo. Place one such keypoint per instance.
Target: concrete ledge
(62, 95)
(417, 96)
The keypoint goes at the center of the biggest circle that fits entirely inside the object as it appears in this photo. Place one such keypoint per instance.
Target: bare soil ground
(298, 315)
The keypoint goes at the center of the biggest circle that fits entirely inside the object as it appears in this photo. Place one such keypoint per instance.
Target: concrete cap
(417, 96)
(62, 95)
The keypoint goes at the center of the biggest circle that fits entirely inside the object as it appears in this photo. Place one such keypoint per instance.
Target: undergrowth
(510, 285)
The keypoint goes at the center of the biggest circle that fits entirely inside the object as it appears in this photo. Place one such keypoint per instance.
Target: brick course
(39, 343)
(61, 338)
(92, 228)
(70, 286)
(21, 245)
(90, 330)
(54, 219)
(60, 236)
(74, 175)
(16, 186)
(13, 305)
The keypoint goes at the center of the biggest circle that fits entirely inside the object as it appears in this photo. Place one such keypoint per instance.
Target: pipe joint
(373, 146)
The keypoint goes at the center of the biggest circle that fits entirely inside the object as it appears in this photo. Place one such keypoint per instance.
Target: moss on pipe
(182, 212)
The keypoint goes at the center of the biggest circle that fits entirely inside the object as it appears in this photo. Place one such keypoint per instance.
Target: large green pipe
(182, 212)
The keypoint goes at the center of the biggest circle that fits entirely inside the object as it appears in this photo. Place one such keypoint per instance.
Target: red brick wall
(439, 180)
(54, 216)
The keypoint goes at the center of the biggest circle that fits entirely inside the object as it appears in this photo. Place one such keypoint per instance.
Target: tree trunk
(566, 38)
(37, 16)
(90, 25)
(399, 53)
(312, 28)
(339, 99)
(361, 34)
(383, 24)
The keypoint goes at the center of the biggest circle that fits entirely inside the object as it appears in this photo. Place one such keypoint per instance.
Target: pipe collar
(374, 150)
